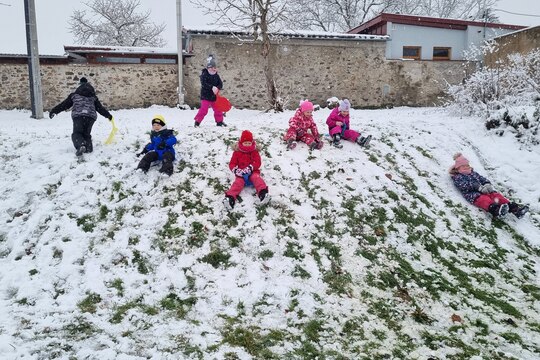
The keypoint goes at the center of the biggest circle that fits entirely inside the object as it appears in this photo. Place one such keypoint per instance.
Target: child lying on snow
(479, 191)
(245, 163)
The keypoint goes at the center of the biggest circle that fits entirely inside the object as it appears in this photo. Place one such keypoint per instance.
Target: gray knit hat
(211, 61)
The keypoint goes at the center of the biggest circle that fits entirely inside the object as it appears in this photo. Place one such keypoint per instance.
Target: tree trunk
(271, 90)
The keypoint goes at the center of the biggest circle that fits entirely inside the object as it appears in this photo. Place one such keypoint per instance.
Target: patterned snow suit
(299, 125)
(468, 185)
(344, 131)
(85, 104)
(242, 158)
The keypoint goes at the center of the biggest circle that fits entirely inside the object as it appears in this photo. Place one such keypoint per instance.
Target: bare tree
(343, 15)
(256, 17)
(115, 22)
(331, 15)
(456, 9)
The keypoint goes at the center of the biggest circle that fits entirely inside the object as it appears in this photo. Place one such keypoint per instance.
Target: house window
(412, 52)
(441, 53)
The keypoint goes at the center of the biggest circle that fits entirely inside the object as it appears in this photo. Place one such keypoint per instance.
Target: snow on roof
(119, 49)
(293, 34)
(517, 31)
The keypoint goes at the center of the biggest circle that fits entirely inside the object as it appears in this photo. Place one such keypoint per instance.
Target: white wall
(428, 38)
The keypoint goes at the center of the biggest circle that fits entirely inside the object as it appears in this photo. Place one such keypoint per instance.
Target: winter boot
(291, 144)
(316, 145)
(89, 147)
(363, 140)
(518, 210)
(337, 141)
(263, 196)
(81, 150)
(221, 124)
(197, 123)
(166, 168)
(229, 202)
(498, 210)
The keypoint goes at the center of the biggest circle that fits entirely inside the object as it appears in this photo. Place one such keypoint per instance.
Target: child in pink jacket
(338, 126)
(303, 128)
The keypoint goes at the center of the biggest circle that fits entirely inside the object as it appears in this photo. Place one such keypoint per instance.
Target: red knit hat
(246, 136)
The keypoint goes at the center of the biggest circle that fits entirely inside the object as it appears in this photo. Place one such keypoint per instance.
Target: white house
(426, 38)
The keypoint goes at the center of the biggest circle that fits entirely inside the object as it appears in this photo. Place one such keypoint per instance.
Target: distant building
(426, 38)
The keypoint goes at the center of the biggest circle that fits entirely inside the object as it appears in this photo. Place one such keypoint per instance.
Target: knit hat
(246, 136)
(344, 105)
(158, 119)
(460, 160)
(211, 61)
(306, 106)
(83, 80)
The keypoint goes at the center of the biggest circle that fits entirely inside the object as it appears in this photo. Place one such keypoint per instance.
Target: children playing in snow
(159, 148)
(210, 86)
(338, 126)
(300, 126)
(479, 191)
(85, 104)
(245, 163)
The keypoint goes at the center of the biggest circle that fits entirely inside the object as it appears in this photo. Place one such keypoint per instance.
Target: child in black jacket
(210, 85)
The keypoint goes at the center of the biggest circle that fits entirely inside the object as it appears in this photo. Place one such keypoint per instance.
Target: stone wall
(118, 86)
(304, 68)
(521, 42)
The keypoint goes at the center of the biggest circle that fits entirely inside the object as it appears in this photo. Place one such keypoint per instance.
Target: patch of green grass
(87, 223)
(338, 281)
(313, 329)
(294, 250)
(103, 212)
(141, 262)
(79, 329)
(33, 272)
(217, 258)
(180, 307)
(253, 340)
(301, 272)
(266, 254)
(512, 338)
(117, 284)
(88, 304)
(197, 235)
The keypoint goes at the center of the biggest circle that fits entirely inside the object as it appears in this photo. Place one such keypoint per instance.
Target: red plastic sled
(222, 104)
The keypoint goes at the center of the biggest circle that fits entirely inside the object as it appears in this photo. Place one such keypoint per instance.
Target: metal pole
(180, 52)
(34, 75)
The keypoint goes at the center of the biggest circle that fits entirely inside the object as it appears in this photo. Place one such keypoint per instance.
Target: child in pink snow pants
(478, 190)
(245, 164)
(339, 128)
(300, 126)
(210, 85)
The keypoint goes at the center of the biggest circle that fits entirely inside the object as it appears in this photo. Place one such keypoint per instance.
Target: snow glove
(486, 188)
(241, 172)
(51, 115)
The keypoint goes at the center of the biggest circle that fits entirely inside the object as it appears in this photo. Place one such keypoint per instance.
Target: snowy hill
(361, 254)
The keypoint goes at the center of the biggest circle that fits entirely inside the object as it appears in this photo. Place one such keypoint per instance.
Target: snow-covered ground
(361, 254)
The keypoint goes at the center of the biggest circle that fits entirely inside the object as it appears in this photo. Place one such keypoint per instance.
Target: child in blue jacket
(478, 190)
(159, 148)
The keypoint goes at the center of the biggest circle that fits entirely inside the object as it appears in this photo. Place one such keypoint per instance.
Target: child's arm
(256, 161)
(332, 118)
(171, 140)
(100, 109)
(314, 130)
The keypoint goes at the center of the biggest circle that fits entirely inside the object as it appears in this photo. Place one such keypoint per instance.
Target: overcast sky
(53, 15)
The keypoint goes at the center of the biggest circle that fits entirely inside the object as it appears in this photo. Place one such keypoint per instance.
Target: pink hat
(306, 106)
(460, 160)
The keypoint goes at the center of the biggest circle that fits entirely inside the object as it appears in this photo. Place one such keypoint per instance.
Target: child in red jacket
(245, 164)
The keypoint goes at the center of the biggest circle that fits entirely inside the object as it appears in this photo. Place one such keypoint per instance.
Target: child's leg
(498, 197)
(308, 139)
(147, 159)
(203, 110)
(236, 187)
(257, 181)
(483, 201)
(335, 130)
(290, 135)
(77, 136)
(167, 164)
(87, 133)
(351, 135)
(218, 115)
